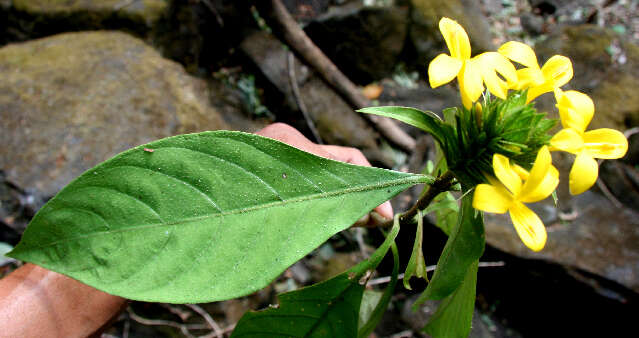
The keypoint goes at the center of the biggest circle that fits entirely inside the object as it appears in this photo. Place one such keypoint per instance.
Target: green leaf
(446, 210)
(327, 309)
(416, 265)
(426, 121)
(377, 314)
(370, 299)
(464, 246)
(200, 217)
(455, 313)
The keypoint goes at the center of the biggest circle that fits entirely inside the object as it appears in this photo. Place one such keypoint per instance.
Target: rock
(424, 30)
(561, 7)
(533, 24)
(37, 18)
(335, 120)
(363, 42)
(602, 239)
(421, 96)
(198, 34)
(70, 101)
(606, 67)
(305, 10)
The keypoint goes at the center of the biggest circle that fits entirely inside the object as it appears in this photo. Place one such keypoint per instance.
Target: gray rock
(606, 67)
(70, 101)
(363, 42)
(424, 30)
(335, 120)
(601, 239)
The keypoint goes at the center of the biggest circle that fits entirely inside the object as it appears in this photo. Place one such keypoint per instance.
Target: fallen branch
(282, 23)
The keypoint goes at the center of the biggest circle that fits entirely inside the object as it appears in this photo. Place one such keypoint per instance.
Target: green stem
(441, 184)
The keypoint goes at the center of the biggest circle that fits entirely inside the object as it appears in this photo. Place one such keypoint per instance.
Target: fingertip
(385, 210)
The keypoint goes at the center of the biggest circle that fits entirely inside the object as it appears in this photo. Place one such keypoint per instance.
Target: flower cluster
(510, 131)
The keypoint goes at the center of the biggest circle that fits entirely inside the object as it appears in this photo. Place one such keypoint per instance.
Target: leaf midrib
(415, 179)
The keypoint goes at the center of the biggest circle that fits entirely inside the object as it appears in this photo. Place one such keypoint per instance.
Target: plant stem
(441, 184)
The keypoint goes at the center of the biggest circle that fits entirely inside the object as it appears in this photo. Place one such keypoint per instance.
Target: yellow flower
(508, 193)
(444, 68)
(575, 111)
(470, 72)
(556, 72)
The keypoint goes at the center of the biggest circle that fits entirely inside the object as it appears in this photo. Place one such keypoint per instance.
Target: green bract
(470, 137)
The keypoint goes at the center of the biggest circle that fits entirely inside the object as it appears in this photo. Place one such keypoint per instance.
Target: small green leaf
(455, 313)
(370, 299)
(416, 265)
(446, 211)
(377, 314)
(200, 217)
(327, 309)
(464, 246)
(426, 121)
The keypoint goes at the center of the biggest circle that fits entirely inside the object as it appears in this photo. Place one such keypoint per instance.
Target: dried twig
(384, 280)
(298, 98)
(280, 20)
(216, 328)
(154, 322)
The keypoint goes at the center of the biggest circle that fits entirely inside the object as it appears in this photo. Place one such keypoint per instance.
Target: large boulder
(335, 120)
(70, 101)
(598, 237)
(606, 67)
(37, 18)
(198, 34)
(424, 30)
(364, 42)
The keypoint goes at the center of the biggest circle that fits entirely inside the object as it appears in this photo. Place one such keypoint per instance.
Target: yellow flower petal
(575, 109)
(605, 143)
(443, 69)
(520, 53)
(545, 188)
(537, 174)
(523, 173)
(470, 81)
(492, 198)
(456, 38)
(506, 175)
(529, 227)
(492, 63)
(535, 91)
(557, 70)
(528, 77)
(583, 174)
(567, 140)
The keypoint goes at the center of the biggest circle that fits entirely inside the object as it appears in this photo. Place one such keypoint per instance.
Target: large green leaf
(455, 313)
(200, 217)
(327, 309)
(464, 246)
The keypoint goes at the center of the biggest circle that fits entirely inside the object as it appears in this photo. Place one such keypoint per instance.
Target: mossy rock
(424, 29)
(606, 67)
(73, 100)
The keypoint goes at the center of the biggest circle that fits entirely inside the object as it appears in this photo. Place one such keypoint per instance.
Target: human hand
(291, 136)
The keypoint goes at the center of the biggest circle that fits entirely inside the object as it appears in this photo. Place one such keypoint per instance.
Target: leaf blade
(454, 315)
(332, 303)
(160, 225)
(426, 121)
(465, 245)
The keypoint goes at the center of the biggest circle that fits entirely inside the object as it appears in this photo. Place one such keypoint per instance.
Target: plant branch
(281, 21)
(441, 184)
